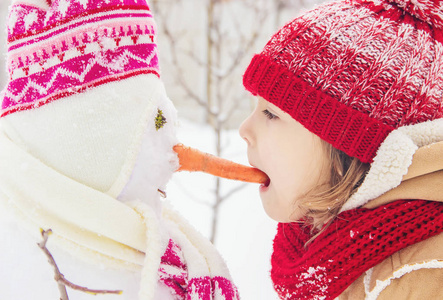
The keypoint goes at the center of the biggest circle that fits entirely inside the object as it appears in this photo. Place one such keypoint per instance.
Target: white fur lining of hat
(367, 280)
(393, 160)
(382, 284)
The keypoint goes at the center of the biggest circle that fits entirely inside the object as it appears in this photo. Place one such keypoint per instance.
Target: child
(86, 141)
(349, 129)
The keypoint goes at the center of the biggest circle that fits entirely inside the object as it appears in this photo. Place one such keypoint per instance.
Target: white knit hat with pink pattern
(84, 86)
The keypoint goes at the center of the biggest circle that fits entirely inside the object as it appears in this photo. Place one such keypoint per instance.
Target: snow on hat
(84, 86)
(355, 70)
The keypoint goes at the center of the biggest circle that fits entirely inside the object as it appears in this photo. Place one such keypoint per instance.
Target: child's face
(292, 157)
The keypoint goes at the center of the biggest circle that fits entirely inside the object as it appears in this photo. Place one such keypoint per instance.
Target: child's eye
(269, 115)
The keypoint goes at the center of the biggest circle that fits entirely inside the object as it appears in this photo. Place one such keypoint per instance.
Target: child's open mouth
(265, 186)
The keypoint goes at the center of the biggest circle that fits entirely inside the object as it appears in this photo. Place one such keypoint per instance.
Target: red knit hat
(353, 71)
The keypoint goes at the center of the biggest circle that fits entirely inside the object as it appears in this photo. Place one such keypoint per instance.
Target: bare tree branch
(62, 282)
(58, 275)
(195, 58)
(247, 43)
(234, 106)
(233, 191)
(192, 195)
(227, 39)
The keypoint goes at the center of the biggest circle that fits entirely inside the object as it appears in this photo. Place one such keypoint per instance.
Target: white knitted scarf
(95, 227)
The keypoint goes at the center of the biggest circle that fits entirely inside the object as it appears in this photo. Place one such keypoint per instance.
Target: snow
(245, 232)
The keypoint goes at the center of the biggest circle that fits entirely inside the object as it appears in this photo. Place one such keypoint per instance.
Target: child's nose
(245, 131)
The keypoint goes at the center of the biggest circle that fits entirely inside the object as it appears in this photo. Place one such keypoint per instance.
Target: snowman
(87, 139)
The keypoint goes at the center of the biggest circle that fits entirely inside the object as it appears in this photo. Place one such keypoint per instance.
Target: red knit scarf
(355, 242)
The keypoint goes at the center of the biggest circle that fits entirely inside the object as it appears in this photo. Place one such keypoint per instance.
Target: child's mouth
(265, 186)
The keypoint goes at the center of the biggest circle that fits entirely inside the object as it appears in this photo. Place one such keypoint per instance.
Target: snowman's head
(85, 95)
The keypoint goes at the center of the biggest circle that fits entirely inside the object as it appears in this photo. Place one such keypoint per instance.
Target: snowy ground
(245, 232)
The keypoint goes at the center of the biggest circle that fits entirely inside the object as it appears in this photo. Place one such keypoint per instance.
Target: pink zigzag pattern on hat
(65, 79)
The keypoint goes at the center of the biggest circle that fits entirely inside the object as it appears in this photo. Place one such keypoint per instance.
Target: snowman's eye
(160, 120)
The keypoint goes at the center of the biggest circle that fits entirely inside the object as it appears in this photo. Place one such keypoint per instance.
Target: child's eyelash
(269, 115)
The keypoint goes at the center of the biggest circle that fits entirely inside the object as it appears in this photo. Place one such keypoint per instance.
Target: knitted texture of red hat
(357, 240)
(353, 71)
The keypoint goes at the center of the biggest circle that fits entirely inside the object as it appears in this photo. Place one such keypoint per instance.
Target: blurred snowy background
(205, 46)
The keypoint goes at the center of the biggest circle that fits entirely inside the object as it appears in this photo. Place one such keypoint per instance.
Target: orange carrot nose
(194, 160)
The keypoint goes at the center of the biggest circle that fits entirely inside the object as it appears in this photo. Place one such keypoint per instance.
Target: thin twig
(62, 282)
(233, 191)
(87, 290)
(58, 275)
